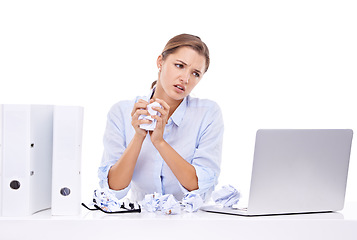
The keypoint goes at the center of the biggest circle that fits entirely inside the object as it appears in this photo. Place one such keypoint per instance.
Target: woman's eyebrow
(183, 63)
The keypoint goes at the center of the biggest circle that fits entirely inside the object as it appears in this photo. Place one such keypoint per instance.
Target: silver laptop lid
(297, 171)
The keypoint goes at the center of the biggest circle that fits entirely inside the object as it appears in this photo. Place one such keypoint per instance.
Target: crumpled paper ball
(150, 126)
(227, 196)
(192, 202)
(165, 203)
(106, 200)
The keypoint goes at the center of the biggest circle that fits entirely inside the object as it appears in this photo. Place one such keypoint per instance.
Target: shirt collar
(179, 113)
(177, 116)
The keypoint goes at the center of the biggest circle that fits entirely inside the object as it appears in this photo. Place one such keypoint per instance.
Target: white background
(274, 64)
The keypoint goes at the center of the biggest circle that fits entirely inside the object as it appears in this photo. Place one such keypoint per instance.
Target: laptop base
(244, 211)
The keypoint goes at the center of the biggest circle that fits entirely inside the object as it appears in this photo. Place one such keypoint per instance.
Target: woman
(183, 152)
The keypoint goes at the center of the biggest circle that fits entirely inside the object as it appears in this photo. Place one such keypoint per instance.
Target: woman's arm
(184, 171)
(121, 173)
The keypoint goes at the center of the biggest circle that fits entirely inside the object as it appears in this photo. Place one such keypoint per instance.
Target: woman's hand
(158, 133)
(139, 109)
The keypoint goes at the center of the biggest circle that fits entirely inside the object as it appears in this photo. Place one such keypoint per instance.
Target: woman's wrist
(159, 144)
(139, 137)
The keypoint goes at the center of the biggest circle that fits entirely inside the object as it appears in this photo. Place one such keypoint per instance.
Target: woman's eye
(196, 74)
(179, 65)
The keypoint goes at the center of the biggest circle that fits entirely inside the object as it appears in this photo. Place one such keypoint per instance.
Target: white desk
(200, 225)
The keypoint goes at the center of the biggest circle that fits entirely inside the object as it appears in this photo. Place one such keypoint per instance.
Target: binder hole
(65, 191)
(32, 173)
(15, 185)
(32, 145)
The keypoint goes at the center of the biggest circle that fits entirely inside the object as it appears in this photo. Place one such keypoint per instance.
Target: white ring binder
(40, 155)
(67, 148)
(26, 158)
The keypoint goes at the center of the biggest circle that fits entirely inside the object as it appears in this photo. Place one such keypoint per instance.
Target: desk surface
(200, 225)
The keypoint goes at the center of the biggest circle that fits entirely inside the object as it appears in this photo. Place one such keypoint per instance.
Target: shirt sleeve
(208, 154)
(114, 146)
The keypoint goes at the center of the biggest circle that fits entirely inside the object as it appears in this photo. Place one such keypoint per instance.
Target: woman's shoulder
(194, 102)
(125, 105)
(205, 109)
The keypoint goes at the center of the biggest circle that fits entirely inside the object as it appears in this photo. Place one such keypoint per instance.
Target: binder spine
(16, 160)
(41, 157)
(66, 165)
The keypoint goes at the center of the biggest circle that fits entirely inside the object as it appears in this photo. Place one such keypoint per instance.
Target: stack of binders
(40, 155)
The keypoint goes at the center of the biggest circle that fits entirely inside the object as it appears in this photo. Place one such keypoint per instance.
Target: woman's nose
(185, 77)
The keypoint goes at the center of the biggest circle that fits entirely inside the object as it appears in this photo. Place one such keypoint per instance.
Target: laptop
(296, 171)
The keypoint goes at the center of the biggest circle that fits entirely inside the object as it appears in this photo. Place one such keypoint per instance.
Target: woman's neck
(160, 94)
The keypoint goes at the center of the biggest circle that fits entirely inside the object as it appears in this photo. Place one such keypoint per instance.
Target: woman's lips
(179, 88)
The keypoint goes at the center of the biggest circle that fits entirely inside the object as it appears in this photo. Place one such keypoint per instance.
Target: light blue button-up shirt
(194, 130)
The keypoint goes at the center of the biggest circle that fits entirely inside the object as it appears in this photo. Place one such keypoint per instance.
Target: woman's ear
(159, 62)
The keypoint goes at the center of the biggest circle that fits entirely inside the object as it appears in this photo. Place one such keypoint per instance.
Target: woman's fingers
(164, 111)
(141, 121)
(140, 104)
(163, 104)
(144, 121)
(140, 112)
(139, 109)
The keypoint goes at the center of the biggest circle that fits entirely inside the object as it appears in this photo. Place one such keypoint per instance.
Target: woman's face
(180, 72)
